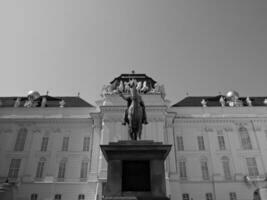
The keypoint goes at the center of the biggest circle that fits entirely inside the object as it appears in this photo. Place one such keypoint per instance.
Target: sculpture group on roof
(124, 87)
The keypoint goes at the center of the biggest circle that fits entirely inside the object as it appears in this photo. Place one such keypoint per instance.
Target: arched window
(81, 197)
(245, 139)
(84, 168)
(204, 168)
(40, 168)
(226, 167)
(62, 169)
(20, 141)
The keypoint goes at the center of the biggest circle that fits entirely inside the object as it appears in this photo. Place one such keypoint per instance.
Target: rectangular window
(252, 167)
(221, 142)
(34, 196)
(86, 143)
(232, 196)
(84, 169)
(44, 144)
(180, 143)
(201, 145)
(61, 170)
(182, 166)
(185, 196)
(14, 168)
(40, 169)
(58, 197)
(21, 139)
(205, 170)
(65, 144)
(208, 196)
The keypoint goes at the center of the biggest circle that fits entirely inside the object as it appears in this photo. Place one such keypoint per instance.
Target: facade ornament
(156, 88)
(127, 87)
(17, 102)
(248, 101)
(29, 103)
(204, 103)
(162, 91)
(139, 86)
(62, 103)
(120, 87)
(222, 101)
(44, 101)
(144, 89)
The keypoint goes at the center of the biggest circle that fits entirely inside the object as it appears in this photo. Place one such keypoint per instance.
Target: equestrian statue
(135, 114)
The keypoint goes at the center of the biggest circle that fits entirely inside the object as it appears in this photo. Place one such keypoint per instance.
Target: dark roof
(214, 101)
(127, 77)
(73, 101)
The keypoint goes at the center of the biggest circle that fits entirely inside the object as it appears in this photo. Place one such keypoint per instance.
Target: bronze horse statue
(135, 114)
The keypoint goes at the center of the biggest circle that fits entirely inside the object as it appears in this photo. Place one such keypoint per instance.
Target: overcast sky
(202, 47)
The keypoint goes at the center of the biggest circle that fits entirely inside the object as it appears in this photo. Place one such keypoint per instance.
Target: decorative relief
(228, 129)
(36, 130)
(7, 130)
(208, 129)
(257, 128)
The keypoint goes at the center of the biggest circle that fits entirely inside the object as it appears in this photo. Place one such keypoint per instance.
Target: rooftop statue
(135, 114)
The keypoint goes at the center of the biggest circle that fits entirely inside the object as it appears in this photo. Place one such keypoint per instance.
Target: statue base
(135, 170)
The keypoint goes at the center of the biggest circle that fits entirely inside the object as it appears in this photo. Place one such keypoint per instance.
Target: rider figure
(129, 102)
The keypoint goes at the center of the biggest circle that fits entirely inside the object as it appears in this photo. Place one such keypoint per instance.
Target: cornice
(33, 121)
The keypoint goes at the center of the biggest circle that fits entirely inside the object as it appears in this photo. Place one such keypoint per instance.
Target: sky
(199, 47)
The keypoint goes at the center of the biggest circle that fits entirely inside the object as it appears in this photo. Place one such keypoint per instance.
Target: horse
(135, 114)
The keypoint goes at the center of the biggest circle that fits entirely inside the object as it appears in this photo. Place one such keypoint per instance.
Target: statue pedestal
(135, 170)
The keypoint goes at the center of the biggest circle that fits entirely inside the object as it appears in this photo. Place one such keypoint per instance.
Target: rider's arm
(122, 96)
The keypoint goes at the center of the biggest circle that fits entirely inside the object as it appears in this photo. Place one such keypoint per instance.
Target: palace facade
(49, 146)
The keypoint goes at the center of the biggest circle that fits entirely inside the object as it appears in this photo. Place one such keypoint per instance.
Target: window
(232, 196)
(86, 143)
(20, 141)
(185, 196)
(34, 196)
(84, 168)
(226, 168)
(201, 145)
(14, 168)
(245, 139)
(180, 143)
(58, 197)
(182, 167)
(208, 196)
(62, 169)
(81, 197)
(221, 142)
(204, 169)
(252, 167)
(65, 144)
(40, 168)
(44, 144)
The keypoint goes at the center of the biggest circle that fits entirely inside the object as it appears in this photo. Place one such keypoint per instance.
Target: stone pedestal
(135, 170)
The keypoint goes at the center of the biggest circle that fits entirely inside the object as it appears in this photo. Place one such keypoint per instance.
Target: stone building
(49, 146)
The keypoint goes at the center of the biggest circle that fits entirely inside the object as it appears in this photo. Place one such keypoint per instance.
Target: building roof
(214, 101)
(138, 77)
(69, 101)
